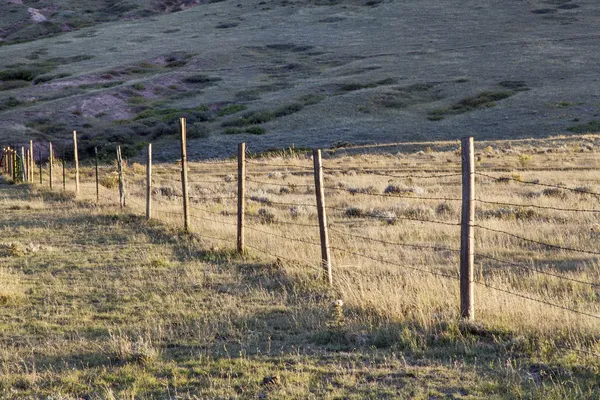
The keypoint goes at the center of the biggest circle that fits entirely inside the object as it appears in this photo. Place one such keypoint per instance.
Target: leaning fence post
(184, 186)
(76, 162)
(121, 184)
(149, 183)
(50, 162)
(97, 179)
(241, 197)
(325, 252)
(467, 242)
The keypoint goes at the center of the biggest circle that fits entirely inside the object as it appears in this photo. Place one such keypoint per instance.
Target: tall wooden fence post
(41, 171)
(76, 162)
(31, 161)
(63, 170)
(121, 183)
(15, 164)
(27, 165)
(97, 178)
(241, 197)
(467, 242)
(325, 252)
(184, 185)
(50, 165)
(149, 183)
(22, 165)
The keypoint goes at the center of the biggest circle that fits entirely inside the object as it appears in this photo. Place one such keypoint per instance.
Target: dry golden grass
(108, 285)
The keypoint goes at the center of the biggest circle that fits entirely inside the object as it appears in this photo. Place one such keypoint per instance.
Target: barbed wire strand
(392, 195)
(286, 222)
(300, 262)
(553, 246)
(280, 184)
(537, 206)
(439, 274)
(399, 217)
(252, 228)
(537, 270)
(580, 191)
(415, 246)
(269, 202)
(536, 300)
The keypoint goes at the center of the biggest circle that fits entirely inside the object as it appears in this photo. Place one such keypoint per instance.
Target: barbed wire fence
(218, 201)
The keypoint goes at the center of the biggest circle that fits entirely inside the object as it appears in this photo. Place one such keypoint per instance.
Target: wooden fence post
(149, 183)
(63, 170)
(121, 183)
(97, 178)
(241, 197)
(50, 164)
(15, 164)
(22, 164)
(325, 252)
(41, 171)
(27, 165)
(184, 185)
(31, 161)
(76, 162)
(467, 242)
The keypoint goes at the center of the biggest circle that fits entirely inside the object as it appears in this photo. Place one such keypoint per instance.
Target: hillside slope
(311, 73)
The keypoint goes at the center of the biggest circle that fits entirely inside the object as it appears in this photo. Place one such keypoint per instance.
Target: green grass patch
(10, 102)
(10, 85)
(25, 72)
(262, 116)
(231, 109)
(201, 79)
(590, 127)
(253, 130)
(353, 86)
(482, 100)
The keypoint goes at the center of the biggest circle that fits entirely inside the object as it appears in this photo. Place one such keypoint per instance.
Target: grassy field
(96, 302)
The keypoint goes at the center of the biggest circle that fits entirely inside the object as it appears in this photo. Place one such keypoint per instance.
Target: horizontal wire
(402, 218)
(302, 262)
(232, 213)
(211, 182)
(286, 222)
(537, 206)
(537, 270)
(553, 246)
(442, 275)
(213, 237)
(580, 191)
(263, 164)
(280, 184)
(536, 300)
(393, 195)
(269, 202)
(252, 228)
(414, 176)
(213, 197)
(211, 220)
(415, 246)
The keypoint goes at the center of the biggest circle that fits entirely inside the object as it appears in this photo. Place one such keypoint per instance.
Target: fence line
(10, 166)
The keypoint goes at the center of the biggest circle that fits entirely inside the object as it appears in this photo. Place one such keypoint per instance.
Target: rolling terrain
(308, 73)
